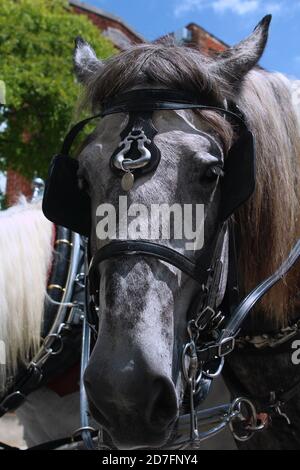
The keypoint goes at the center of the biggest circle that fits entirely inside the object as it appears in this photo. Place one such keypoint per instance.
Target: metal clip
(190, 371)
(194, 433)
(49, 342)
(192, 382)
(80, 280)
(276, 406)
(76, 315)
(282, 414)
(212, 375)
(190, 375)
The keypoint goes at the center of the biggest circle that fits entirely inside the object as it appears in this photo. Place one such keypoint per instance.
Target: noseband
(212, 326)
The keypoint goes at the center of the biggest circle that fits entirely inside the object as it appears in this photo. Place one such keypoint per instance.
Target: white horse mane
(26, 250)
(295, 86)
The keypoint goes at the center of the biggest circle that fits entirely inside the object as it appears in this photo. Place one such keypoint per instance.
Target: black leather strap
(232, 289)
(73, 132)
(287, 395)
(136, 107)
(145, 248)
(57, 277)
(264, 404)
(27, 381)
(240, 313)
(226, 341)
(147, 100)
(138, 99)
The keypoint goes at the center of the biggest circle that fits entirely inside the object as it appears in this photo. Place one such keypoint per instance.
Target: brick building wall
(107, 25)
(16, 185)
(204, 41)
(110, 25)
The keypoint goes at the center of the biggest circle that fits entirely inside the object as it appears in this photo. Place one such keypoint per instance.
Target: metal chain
(192, 375)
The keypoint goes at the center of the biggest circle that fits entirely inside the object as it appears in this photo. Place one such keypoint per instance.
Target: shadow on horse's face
(133, 379)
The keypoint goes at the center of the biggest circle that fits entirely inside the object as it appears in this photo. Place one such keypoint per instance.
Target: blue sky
(230, 20)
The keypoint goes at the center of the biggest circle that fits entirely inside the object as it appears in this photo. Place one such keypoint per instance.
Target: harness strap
(226, 342)
(27, 382)
(232, 290)
(85, 431)
(270, 405)
(73, 132)
(238, 316)
(286, 396)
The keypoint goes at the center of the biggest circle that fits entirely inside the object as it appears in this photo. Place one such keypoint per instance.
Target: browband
(144, 100)
(152, 100)
(137, 99)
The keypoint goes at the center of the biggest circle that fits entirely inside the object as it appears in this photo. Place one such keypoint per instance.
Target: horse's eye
(214, 172)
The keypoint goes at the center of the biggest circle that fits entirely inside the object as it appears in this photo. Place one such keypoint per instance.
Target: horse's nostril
(162, 408)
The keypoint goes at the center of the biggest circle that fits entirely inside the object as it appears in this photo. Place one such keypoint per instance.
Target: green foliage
(36, 47)
(2, 92)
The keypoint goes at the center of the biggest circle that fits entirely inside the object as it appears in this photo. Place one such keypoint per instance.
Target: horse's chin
(147, 441)
(126, 438)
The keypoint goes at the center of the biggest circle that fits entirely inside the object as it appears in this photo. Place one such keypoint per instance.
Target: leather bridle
(211, 330)
(219, 330)
(212, 327)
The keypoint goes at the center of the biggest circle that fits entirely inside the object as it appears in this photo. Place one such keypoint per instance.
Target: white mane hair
(25, 250)
(295, 85)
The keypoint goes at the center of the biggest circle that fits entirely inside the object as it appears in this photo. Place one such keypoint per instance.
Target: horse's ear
(237, 61)
(85, 60)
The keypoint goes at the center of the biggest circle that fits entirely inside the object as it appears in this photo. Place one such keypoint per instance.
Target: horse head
(134, 378)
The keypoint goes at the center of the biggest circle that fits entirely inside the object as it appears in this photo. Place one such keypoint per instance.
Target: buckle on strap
(216, 350)
(226, 346)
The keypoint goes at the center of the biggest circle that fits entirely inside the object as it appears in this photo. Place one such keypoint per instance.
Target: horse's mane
(269, 223)
(25, 247)
(295, 84)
